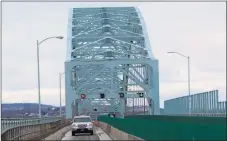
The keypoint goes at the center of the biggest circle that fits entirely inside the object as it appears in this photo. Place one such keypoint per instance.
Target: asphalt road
(68, 136)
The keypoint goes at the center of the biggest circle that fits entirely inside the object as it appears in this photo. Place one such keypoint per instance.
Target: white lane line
(102, 135)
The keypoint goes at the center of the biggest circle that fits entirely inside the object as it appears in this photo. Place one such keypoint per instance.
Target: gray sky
(194, 29)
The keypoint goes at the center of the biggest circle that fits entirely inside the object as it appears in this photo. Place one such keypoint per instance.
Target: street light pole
(38, 43)
(38, 79)
(60, 74)
(189, 89)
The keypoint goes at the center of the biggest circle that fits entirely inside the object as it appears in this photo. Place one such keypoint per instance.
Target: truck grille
(82, 125)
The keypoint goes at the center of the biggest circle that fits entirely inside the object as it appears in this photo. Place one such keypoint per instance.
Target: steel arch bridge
(110, 61)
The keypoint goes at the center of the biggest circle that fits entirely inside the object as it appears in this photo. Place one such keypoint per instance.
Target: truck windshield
(82, 119)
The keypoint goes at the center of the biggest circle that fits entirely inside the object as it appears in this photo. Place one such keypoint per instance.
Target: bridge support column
(154, 93)
(122, 110)
(69, 97)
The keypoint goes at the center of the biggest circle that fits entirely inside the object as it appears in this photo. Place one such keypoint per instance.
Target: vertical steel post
(189, 92)
(133, 105)
(38, 79)
(144, 105)
(60, 92)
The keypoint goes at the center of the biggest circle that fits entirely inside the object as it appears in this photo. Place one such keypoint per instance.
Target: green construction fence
(159, 127)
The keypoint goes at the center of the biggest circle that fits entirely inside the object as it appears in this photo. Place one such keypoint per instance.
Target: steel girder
(109, 52)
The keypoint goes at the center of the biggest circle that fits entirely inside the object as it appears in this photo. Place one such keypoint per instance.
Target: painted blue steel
(202, 103)
(222, 107)
(109, 52)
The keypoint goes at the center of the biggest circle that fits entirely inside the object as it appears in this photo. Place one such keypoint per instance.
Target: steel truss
(109, 52)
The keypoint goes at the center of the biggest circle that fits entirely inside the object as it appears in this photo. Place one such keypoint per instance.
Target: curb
(116, 134)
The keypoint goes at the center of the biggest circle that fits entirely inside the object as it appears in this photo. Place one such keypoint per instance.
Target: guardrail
(201, 114)
(34, 131)
(115, 133)
(8, 123)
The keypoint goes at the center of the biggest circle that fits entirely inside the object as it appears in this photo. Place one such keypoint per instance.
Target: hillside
(26, 109)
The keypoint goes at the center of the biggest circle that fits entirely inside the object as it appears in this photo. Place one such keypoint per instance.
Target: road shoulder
(102, 135)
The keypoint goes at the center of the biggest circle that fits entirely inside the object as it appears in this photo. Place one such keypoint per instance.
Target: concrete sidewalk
(102, 135)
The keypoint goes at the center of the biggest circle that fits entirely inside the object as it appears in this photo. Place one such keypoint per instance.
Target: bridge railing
(37, 129)
(201, 114)
(8, 123)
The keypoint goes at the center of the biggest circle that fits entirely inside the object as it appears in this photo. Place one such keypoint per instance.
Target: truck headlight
(74, 125)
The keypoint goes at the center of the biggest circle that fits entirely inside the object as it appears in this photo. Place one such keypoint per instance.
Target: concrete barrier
(116, 134)
(57, 136)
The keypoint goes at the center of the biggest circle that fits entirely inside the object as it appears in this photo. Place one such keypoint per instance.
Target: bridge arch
(109, 52)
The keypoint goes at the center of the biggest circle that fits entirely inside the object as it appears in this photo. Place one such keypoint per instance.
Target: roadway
(98, 135)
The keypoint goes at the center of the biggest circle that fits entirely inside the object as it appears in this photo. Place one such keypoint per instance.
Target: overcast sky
(194, 29)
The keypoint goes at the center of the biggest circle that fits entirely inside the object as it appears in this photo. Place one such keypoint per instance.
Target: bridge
(110, 62)
(110, 69)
